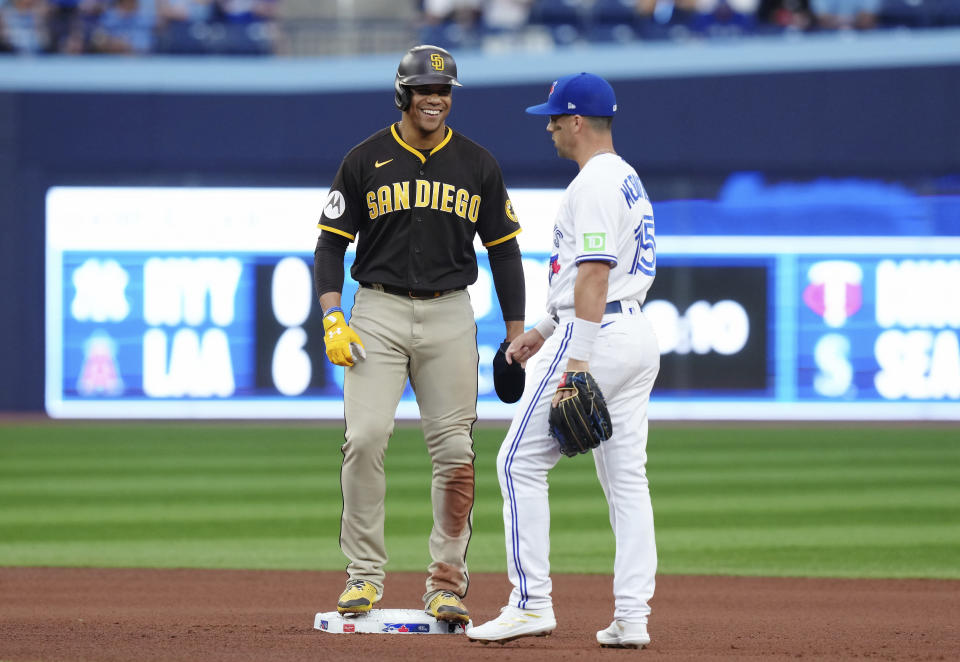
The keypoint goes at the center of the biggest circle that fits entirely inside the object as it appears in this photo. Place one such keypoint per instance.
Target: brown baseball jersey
(414, 214)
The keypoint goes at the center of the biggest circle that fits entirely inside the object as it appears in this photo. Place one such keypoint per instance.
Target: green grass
(814, 501)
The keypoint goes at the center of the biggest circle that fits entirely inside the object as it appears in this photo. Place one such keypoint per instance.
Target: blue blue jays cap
(578, 94)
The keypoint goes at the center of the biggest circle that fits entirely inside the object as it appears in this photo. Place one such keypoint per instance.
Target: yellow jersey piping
(503, 239)
(336, 231)
(414, 150)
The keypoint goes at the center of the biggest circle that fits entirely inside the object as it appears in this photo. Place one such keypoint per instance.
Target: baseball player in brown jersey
(413, 196)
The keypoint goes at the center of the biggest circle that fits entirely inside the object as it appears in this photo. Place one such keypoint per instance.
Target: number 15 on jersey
(645, 259)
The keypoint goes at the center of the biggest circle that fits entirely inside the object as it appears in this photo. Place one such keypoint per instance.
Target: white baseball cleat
(513, 623)
(621, 634)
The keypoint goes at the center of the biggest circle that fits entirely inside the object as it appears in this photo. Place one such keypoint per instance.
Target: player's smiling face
(429, 107)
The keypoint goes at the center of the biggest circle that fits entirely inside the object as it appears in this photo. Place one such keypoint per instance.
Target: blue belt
(611, 307)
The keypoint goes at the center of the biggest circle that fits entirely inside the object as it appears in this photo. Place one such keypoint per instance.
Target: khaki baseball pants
(433, 343)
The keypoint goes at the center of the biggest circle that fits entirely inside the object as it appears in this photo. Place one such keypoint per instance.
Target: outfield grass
(816, 501)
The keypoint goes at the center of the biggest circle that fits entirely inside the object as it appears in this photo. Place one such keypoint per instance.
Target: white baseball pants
(625, 363)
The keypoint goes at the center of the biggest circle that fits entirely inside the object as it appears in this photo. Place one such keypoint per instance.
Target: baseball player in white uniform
(603, 264)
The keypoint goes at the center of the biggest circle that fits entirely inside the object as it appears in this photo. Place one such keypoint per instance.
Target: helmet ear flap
(402, 97)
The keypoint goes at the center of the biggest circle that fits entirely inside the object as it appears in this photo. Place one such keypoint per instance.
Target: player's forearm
(590, 290)
(328, 267)
(506, 266)
(589, 301)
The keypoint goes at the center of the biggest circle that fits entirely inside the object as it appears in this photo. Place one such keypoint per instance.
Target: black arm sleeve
(507, 271)
(328, 262)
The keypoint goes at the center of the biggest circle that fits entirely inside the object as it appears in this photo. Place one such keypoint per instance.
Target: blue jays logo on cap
(578, 94)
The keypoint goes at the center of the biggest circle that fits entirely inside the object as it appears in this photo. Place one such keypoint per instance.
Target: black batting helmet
(423, 65)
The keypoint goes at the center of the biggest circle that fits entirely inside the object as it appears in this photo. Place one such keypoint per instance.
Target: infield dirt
(136, 615)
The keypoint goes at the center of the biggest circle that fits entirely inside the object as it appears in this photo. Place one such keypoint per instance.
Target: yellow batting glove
(343, 344)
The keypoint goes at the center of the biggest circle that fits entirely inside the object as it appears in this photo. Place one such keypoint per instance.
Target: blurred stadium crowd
(314, 27)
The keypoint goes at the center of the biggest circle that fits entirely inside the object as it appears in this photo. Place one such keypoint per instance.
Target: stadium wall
(882, 107)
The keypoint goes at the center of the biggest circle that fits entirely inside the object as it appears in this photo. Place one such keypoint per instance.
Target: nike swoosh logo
(381, 163)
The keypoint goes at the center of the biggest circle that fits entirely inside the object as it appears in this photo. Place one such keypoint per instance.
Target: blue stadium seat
(904, 13)
(947, 12)
(203, 38)
(565, 19)
(919, 13)
(722, 22)
(238, 39)
(613, 21)
(449, 35)
(181, 38)
(666, 23)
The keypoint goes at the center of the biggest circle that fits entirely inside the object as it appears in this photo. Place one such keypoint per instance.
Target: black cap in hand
(508, 378)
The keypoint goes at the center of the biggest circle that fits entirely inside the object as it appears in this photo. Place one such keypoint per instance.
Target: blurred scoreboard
(199, 303)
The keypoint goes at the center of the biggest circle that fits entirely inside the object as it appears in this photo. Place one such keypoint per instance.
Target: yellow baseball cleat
(446, 606)
(358, 597)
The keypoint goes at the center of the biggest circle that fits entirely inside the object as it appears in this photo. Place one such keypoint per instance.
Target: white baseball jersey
(605, 214)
